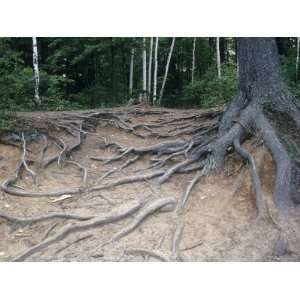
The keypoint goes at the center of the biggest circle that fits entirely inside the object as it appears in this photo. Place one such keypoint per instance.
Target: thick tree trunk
(155, 71)
(166, 71)
(265, 106)
(35, 59)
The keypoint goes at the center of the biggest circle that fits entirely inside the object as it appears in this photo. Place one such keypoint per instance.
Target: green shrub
(209, 90)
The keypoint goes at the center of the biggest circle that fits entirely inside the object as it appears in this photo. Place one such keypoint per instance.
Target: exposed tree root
(262, 209)
(114, 216)
(6, 187)
(196, 178)
(126, 180)
(81, 168)
(203, 148)
(145, 252)
(22, 222)
(176, 242)
(166, 204)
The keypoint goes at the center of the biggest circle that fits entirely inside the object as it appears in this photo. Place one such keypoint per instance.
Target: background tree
(131, 73)
(166, 71)
(193, 60)
(150, 68)
(155, 71)
(297, 57)
(144, 92)
(218, 57)
(35, 59)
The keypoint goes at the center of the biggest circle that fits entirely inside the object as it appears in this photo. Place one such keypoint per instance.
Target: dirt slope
(219, 220)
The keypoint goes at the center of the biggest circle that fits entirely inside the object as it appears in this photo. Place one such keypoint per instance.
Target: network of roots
(184, 144)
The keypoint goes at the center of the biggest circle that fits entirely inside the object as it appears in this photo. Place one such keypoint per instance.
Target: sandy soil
(219, 220)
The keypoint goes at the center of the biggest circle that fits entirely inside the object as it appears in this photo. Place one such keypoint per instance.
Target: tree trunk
(112, 74)
(193, 60)
(144, 97)
(131, 73)
(35, 59)
(155, 71)
(166, 71)
(218, 56)
(297, 57)
(150, 68)
(265, 106)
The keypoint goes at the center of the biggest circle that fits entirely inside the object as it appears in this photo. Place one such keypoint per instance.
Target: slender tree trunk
(150, 68)
(193, 60)
(297, 57)
(223, 50)
(166, 71)
(112, 49)
(211, 45)
(144, 71)
(131, 73)
(35, 59)
(218, 57)
(155, 71)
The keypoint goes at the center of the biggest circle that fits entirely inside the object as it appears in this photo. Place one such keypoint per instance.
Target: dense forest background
(95, 72)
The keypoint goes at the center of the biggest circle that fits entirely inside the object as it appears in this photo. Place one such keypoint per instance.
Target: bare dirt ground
(219, 218)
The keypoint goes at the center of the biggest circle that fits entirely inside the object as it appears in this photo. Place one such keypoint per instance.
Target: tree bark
(218, 56)
(144, 71)
(131, 73)
(35, 59)
(265, 106)
(166, 71)
(297, 57)
(155, 71)
(150, 68)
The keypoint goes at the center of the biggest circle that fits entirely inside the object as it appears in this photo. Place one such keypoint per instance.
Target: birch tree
(218, 57)
(297, 57)
(35, 60)
(131, 73)
(150, 67)
(144, 70)
(166, 71)
(193, 60)
(155, 71)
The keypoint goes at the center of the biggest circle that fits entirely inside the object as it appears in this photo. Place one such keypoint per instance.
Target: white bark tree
(144, 97)
(155, 71)
(150, 67)
(218, 57)
(131, 73)
(297, 57)
(166, 71)
(193, 60)
(35, 60)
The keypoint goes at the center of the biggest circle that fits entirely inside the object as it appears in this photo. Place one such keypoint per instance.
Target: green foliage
(289, 69)
(78, 73)
(208, 90)
(7, 121)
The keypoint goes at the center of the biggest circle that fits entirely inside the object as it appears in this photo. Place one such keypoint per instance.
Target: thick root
(114, 216)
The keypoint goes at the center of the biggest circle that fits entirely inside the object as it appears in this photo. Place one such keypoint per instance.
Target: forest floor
(219, 219)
